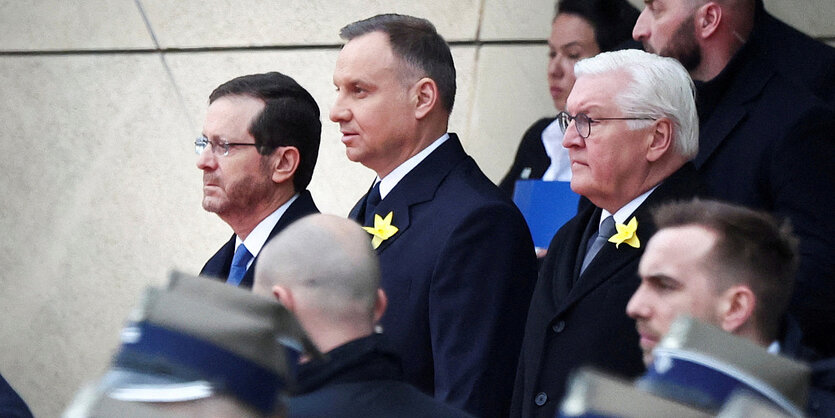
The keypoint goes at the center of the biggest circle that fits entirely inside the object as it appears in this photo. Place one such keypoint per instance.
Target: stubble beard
(684, 47)
(241, 196)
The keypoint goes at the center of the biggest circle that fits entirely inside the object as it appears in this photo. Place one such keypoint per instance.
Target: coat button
(540, 399)
(558, 327)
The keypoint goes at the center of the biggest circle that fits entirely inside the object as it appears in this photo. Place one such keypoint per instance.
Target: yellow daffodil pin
(626, 233)
(382, 229)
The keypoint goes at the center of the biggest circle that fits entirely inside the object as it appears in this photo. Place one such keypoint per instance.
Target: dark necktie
(371, 201)
(239, 262)
(607, 229)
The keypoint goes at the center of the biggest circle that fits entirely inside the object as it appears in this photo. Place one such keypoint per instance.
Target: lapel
(218, 266)
(574, 246)
(418, 186)
(358, 211)
(732, 110)
(611, 260)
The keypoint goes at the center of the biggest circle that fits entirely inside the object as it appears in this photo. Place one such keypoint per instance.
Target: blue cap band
(701, 380)
(247, 381)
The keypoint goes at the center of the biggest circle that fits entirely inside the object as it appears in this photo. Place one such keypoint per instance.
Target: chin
(213, 206)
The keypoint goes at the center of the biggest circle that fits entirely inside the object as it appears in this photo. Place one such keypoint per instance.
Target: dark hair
(290, 118)
(751, 247)
(418, 44)
(612, 20)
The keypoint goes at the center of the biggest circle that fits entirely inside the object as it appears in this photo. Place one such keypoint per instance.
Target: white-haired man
(630, 128)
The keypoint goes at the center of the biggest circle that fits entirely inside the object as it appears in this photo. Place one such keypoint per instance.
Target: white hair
(660, 88)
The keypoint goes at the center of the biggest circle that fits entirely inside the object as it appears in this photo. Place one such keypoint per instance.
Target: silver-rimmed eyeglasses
(219, 148)
(582, 122)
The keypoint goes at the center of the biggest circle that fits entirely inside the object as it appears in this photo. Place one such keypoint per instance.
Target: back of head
(290, 118)
(330, 261)
(418, 44)
(659, 88)
(751, 248)
(612, 20)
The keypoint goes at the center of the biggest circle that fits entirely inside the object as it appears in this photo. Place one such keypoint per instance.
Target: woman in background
(580, 29)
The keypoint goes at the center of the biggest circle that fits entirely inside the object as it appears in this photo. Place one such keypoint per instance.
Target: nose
(641, 30)
(555, 67)
(637, 306)
(207, 160)
(339, 112)
(571, 138)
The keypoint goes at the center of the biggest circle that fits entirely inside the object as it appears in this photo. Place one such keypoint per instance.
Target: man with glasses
(258, 149)
(630, 129)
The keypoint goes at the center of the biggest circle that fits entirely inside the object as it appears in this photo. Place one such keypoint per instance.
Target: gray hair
(660, 88)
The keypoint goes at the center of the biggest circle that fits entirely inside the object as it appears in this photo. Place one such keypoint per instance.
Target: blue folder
(546, 205)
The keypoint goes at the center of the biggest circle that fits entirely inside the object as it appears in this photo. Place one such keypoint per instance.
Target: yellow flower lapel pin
(382, 229)
(626, 234)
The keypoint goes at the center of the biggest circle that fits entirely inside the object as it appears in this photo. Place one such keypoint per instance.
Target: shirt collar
(258, 237)
(560, 167)
(388, 182)
(623, 213)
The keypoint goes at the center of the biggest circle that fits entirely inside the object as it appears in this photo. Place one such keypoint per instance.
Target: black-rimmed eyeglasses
(219, 148)
(582, 122)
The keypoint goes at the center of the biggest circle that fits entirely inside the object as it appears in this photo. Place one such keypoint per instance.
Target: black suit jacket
(797, 56)
(361, 379)
(458, 275)
(218, 266)
(11, 404)
(769, 144)
(571, 325)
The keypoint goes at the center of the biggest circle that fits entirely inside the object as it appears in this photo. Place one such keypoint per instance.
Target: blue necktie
(239, 262)
(607, 229)
(371, 203)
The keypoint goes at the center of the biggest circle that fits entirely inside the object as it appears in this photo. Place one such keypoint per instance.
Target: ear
(426, 97)
(285, 161)
(380, 305)
(285, 296)
(661, 140)
(736, 308)
(708, 17)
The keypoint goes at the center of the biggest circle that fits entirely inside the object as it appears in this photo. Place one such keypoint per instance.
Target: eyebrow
(572, 43)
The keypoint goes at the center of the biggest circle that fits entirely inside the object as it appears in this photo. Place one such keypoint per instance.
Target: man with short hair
(630, 129)
(766, 141)
(723, 264)
(729, 266)
(456, 256)
(323, 270)
(257, 152)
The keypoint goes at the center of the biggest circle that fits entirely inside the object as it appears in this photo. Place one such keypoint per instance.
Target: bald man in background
(323, 269)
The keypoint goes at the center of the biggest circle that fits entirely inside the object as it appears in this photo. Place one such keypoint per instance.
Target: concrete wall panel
(100, 199)
(59, 25)
(813, 17)
(196, 23)
(517, 19)
(511, 94)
